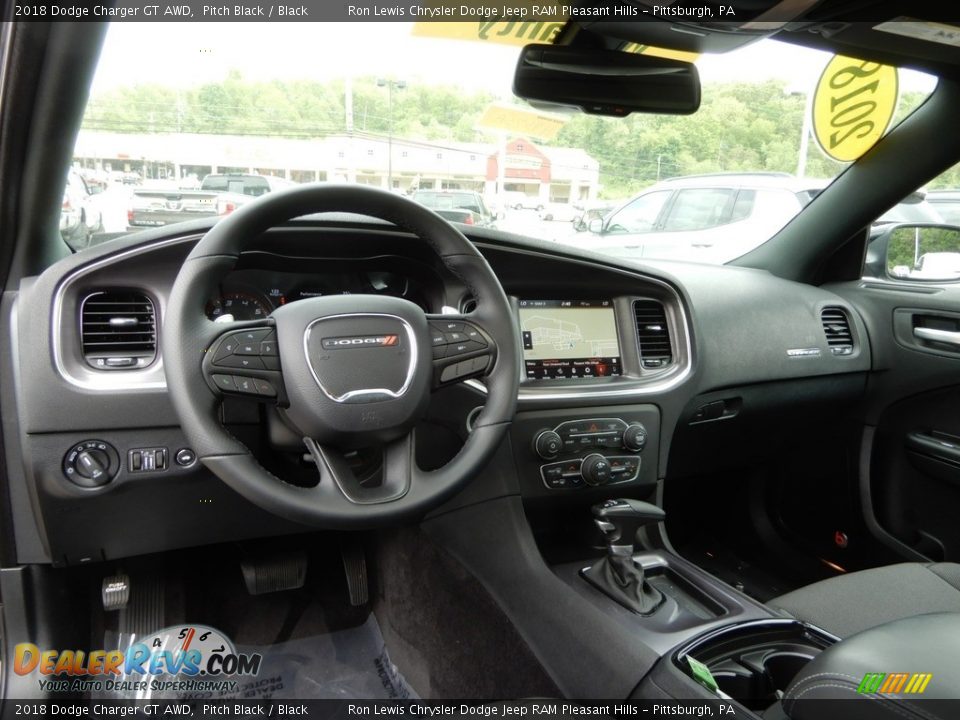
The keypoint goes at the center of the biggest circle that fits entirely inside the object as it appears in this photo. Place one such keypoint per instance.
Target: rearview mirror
(605, 82)
(923, 252)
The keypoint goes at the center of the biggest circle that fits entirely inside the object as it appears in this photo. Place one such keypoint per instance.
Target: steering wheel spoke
(391, 481)
(244, 362)
(461, 348)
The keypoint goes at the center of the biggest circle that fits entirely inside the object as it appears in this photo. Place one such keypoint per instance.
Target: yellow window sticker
(853, 106)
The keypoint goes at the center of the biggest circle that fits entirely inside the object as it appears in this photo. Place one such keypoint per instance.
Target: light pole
(806, 127)
(390, 84)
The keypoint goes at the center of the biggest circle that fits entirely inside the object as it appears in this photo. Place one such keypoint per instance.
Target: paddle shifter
(617, 574)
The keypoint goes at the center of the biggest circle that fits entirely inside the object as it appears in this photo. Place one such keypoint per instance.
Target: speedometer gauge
(240, 305)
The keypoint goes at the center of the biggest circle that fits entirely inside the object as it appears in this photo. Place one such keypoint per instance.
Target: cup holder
(782, 667)
(755, 662)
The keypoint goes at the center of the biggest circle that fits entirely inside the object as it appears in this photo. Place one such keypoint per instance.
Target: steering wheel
(346, 371)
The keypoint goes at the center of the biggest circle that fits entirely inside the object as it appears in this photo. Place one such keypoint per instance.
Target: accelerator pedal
(274, 572)
(355, 567)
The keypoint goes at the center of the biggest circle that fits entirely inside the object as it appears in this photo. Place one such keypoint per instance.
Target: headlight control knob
(91, 463)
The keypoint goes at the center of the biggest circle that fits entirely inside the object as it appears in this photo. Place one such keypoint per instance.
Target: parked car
(947, 204)
(708, 218)
(462, 206)
(80, 217)
(219, 194)
(595, 212)
(516, 200)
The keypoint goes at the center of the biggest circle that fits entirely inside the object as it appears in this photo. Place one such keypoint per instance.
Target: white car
(706, 218)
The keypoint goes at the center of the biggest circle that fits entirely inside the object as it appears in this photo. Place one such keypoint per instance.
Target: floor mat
(350, 663)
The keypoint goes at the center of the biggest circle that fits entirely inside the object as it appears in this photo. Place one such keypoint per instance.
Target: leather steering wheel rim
(188, 336)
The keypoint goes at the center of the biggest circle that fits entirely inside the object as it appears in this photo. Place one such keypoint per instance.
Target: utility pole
(390, 85)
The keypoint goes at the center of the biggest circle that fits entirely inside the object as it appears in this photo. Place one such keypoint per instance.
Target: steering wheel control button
(248, 348)
(91, 463)
(268, 347)
(225, 382)
(185, 457)
(264, 388)
(474, 336)
(245, 362)
(246, 385)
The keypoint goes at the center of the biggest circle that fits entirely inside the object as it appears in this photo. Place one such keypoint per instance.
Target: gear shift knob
(619, 521)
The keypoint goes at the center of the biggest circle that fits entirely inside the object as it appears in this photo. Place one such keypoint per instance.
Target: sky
(190, 54)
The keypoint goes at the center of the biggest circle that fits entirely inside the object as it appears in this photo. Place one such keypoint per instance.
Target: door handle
(950, 337)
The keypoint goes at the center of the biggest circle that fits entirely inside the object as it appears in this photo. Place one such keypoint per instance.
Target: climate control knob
(635, 437)
(548, 444)
(595, 470)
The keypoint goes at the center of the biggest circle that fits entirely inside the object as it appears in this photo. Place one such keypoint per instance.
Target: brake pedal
(355, 567)
(274, 572)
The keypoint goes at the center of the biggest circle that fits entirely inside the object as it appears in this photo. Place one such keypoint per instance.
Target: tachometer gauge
(241, 306)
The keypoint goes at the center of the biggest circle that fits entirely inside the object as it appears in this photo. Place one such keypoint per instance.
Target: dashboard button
(449, 373)
(268, 347)
(451, 326)
(439, 351)
(437, 337)
(455, 337)
(185, 457)
(270, 362)
(246, 362)
(480, 363)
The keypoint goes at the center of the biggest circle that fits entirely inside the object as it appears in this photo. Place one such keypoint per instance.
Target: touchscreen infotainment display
(569, 339)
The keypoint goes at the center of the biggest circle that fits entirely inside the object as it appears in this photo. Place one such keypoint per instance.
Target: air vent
(118, 329)
(653, 334)
(836, 326)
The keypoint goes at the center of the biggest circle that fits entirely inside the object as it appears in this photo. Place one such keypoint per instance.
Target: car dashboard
(621, 361)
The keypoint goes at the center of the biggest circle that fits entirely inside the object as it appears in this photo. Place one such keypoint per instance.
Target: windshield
(228, 112)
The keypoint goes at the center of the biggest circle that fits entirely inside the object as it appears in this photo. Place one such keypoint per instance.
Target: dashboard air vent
(836, 326)
(118, 329)
(653, 334)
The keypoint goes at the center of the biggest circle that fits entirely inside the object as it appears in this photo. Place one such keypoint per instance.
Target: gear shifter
(617, 574)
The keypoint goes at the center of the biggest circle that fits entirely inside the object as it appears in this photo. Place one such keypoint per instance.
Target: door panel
(913, 401)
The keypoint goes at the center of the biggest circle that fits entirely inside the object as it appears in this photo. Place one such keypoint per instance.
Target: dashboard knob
(92, 464)
(548, 444)
(595, 469)
(635, 437)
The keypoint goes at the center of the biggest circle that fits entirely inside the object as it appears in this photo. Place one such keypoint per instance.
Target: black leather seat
(907, 669)
(851, 603)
